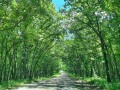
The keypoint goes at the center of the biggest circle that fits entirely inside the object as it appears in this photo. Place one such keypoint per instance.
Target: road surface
(61, 82)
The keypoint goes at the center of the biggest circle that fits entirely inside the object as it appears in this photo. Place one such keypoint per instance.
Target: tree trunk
(104, 52)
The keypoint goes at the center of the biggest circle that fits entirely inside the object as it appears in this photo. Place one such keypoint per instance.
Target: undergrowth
(114, 85)
(102, 83)
(16, 83)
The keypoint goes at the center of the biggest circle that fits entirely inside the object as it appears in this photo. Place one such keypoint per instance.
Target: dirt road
(61, 82)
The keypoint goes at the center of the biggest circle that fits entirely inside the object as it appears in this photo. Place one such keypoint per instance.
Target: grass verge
(114, 85)
(102, 83)
(16, 83)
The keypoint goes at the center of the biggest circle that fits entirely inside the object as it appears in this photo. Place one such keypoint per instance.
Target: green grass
(12, 83)
(114, 85)
(17, 83)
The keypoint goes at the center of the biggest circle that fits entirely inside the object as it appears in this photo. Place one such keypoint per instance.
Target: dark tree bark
(104, 52)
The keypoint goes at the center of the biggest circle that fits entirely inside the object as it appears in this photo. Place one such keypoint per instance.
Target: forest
(83, 39)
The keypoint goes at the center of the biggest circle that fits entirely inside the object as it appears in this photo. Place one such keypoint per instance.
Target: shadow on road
(61, 82)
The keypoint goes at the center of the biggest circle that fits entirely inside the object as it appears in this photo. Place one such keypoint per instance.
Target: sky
(58, 4)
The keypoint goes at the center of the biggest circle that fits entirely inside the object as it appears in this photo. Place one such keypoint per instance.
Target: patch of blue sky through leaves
(58, 4)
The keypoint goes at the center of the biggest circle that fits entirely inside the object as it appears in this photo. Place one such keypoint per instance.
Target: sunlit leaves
(28, 31)
(93, 23)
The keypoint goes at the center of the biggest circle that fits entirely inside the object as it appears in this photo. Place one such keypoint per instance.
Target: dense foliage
(95, 49)
(29, 30)
(83, 39)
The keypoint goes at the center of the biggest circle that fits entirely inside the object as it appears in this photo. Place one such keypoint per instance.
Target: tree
(88, 17)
